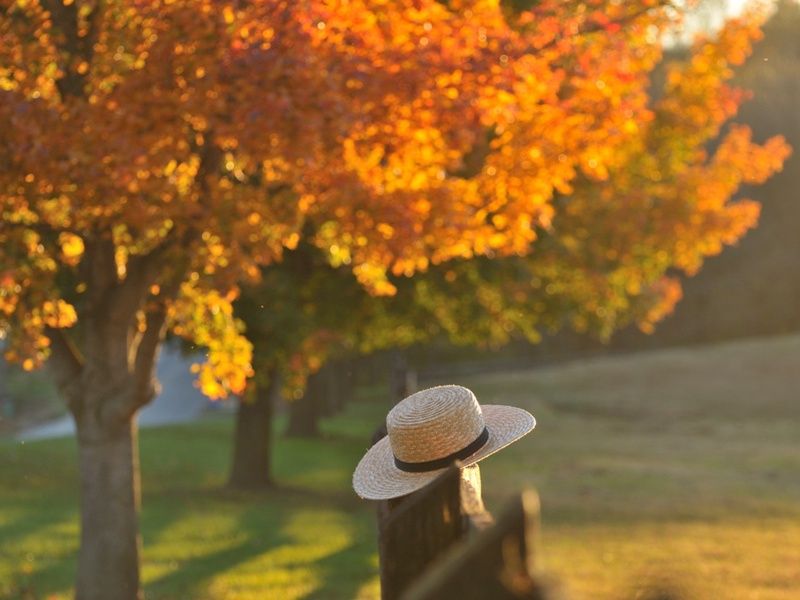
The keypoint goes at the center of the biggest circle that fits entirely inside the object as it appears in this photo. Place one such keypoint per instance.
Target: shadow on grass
(56, 575)
(342, 572)
(283, 540)
(56, 571)
(31, 519)
(38, 567)
(190, 579)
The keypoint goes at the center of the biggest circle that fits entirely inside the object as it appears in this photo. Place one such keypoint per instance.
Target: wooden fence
(441, 543)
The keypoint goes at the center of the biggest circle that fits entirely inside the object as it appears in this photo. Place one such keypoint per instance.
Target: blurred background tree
(750, 290)
(609, 258)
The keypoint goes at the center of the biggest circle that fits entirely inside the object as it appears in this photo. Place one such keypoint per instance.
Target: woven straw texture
(431, 424)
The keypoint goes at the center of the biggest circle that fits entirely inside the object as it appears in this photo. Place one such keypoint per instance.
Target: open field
(677, 466)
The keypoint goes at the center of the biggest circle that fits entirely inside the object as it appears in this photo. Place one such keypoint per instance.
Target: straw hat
(430, 430)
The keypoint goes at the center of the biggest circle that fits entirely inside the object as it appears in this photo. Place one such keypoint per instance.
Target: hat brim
(377, 478)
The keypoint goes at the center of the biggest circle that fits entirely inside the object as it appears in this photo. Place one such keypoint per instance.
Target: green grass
(31, 397)
(310, 538)
(678, 466)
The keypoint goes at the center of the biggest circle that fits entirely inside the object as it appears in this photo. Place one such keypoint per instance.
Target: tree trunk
(341, 385)
(305, 412)
(108, 561)
(402, 379)
(328, 393)
(252, 454)
(106, 374)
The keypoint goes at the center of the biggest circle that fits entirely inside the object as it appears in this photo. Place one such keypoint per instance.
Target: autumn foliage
(156, 154)
(608, 255)
(407, 135)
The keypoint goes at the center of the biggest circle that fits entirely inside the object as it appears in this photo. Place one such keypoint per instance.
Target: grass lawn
(679, 466)
(26, 398)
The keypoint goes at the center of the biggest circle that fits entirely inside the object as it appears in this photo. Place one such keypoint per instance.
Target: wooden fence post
(498, 563)
(415, 530)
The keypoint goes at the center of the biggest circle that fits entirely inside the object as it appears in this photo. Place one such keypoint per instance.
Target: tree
(156, 153)
(612, 250)
(300, 311)
(252, 451)
(744, 292)
(606, 259)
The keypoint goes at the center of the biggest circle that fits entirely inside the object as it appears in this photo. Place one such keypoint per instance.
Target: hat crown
(434, 423)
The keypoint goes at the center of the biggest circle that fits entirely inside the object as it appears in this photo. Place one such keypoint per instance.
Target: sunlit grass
(310, 537)
(676, 468)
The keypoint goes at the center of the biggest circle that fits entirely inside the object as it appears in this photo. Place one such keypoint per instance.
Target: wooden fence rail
(440, 544)
(442, 538)
(498, 563)
(414, 531)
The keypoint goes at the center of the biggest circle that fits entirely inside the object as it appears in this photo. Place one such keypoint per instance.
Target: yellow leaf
(71, 248)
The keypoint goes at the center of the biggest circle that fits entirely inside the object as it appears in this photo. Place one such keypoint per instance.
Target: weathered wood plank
(415, 530)
(498, 563)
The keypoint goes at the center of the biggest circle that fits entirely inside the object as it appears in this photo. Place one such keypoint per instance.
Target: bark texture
(252, 453)
(106, 373)
(108, 561)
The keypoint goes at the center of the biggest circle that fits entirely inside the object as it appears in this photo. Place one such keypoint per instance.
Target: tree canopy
(155, 154)
(169, 148)
(608, 257)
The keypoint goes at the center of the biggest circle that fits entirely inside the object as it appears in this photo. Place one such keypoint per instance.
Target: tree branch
(99, 268)
(66, 365)
(144, 354)
(39, 227)
(147, 354)
(147, 350)
(65, 18)
(142, 273)
(155, 325)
